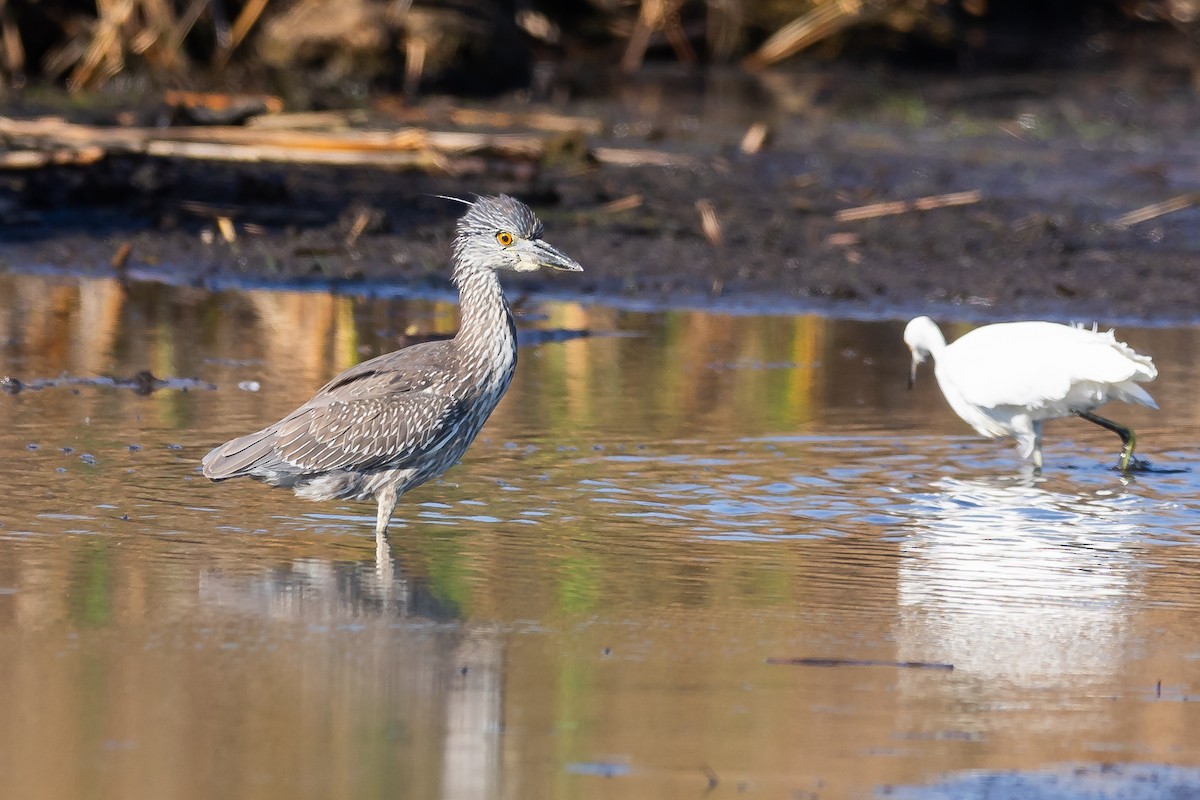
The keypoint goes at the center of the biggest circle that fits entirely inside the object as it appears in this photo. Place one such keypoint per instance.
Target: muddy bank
(1057, 162)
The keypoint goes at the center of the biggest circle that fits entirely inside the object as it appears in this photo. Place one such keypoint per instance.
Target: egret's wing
(1033, 364)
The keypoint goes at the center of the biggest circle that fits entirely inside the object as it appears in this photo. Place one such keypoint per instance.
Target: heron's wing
(413, 368)
(384, 411)
(1034, 364)
(362, 434)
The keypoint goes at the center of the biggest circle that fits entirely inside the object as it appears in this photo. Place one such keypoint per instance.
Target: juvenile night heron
(398, 420)
(1006, 379)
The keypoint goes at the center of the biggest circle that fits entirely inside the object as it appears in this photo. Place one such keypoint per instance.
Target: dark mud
(1057, 159)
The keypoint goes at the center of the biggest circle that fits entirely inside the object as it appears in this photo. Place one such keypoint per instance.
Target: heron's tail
(245, 455)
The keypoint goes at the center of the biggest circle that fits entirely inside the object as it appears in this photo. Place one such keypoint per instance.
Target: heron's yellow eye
(504, 238)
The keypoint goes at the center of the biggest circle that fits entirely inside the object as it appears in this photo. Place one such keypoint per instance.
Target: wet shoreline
(1056, 162)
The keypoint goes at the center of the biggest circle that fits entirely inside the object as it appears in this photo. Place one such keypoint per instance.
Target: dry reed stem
(637, 157)
(242, 25)
(673, 30)
(621, 204)
(14, 51)
(225, 227)
(105, 48)
(755, 137)
(361, 220)
(415, 50)
(24, 159)
(185, 24)
(120, 257)
(709, 222)
(1154, 210)
(820, 23)
(34, 159)
(160, 24)
(657, 15)
(639, 38)
(904, 206)
(843, 239)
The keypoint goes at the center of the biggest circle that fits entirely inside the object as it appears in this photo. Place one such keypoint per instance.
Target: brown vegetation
(304, 46)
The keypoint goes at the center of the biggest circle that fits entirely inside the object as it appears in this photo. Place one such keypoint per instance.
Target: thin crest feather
(501, 212)
(450, 197)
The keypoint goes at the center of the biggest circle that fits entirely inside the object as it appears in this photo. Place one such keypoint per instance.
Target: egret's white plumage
(1006, 379)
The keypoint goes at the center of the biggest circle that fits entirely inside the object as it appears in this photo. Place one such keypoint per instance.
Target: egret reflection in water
(1013, 581)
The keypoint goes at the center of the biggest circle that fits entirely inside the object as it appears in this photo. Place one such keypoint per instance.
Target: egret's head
(923, 338)
(501, 233)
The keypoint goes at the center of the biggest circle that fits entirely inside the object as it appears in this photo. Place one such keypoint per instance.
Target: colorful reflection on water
(586, 606)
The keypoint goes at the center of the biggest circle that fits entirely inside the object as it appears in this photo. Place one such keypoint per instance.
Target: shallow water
(587, 605)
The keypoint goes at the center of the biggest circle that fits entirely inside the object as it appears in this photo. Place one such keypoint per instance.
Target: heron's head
(501, 233)
(923, 338)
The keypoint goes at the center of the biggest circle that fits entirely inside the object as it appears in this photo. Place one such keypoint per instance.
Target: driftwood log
(40, 142)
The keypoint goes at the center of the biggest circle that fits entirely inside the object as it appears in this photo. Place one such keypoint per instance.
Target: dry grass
(94, 40)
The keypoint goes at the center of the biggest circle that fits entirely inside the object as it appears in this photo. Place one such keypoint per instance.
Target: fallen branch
(905, 206)
(55, 131)
(218, 151)
(445, 151)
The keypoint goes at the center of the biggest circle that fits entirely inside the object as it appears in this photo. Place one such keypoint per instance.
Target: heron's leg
(1128, 440)
(1037, 445)
(386, 497)
(385, 570)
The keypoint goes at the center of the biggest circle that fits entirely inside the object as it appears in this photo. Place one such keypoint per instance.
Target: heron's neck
(486, 330)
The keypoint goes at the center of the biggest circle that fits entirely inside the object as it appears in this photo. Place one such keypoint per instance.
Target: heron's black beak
(548, 255)
(912, 373)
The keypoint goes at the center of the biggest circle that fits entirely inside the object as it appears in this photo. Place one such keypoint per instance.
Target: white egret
(1006, 379)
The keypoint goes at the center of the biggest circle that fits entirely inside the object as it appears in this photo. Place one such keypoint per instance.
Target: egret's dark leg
(1037, 445)
(1127, 438)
